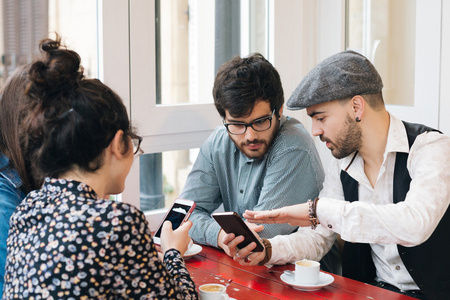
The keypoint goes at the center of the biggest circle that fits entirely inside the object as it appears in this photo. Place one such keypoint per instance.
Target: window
(25, 23)
(397, 36)
(76, 22)
(384, 31)
(192, 40)
(162, 177)
(195, 37)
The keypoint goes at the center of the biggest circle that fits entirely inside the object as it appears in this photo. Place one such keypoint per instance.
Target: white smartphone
(179, 213)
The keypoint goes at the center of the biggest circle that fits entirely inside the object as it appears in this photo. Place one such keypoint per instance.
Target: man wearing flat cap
(388, 191)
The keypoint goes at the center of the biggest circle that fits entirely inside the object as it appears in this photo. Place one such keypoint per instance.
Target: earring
(358, 119)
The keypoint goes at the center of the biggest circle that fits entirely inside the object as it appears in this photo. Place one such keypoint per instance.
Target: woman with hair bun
(66, 241)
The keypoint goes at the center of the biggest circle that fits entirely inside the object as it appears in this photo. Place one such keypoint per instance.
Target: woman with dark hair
(15, 181)
(66, 241)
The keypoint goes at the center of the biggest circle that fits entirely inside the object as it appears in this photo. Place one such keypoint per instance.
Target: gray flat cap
(345, 74)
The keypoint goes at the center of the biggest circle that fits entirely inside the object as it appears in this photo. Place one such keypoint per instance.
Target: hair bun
(57, 74)
(49, 44)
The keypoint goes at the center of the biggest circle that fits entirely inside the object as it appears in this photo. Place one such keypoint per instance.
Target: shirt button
(241, 191)
(330, 226)
(397, 268)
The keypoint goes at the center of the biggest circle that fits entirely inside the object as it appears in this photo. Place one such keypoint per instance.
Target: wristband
(268, 248)
(312, 213)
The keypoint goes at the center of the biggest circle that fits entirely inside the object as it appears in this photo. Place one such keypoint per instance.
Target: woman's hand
(178, 239)
(295, 215)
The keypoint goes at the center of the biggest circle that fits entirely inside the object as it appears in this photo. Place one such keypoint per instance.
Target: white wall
(444, 103)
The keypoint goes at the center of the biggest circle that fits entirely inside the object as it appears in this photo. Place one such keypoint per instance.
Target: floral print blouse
(65, 243)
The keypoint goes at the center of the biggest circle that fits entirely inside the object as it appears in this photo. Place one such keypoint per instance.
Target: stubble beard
(265, 144)
(348, 139)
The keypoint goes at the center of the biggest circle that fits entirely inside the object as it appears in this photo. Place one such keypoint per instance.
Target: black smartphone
(179, 213)
(231, 222)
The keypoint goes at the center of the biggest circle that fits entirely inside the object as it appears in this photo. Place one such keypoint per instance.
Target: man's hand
(222, 234)
(220, 243)
(245, 256)
(295, 215)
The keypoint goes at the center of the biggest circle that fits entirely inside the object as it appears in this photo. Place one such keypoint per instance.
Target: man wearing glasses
(259, 160)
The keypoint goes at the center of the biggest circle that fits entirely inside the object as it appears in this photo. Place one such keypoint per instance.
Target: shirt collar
(283, 119)
(66, 186)
(9, 173)
(397, 138)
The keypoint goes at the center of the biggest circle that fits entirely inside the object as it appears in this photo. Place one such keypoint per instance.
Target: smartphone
(179, 213)
(231, 222)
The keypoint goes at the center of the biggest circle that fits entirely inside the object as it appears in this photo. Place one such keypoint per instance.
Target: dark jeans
(413, 293)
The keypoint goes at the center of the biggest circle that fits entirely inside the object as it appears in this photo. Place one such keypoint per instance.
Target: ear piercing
(358, 119)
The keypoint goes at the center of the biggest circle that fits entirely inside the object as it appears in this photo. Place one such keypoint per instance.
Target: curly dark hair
(71, 119)
(241, 82)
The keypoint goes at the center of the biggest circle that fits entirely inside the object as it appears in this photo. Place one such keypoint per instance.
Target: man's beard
(265, 144)
(348, 140)
(259, 153)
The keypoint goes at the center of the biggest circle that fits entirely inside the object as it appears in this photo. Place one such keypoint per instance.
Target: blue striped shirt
(291, 172)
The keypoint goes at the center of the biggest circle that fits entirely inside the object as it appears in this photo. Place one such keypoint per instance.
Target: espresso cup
(213, 291)
(191, 243)
(307, 272)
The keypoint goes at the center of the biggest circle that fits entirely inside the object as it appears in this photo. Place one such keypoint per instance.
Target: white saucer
(195, 249)
(324, 280)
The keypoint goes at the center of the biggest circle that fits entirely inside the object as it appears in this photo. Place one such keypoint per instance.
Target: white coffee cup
(307, 272)
(213, 291)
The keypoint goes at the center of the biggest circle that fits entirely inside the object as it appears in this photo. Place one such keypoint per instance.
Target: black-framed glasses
(261, 124)
(136, 140)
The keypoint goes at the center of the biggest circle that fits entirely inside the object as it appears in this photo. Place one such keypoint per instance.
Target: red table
(214, 266)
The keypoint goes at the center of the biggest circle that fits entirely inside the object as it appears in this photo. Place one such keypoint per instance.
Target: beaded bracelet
(312, 213)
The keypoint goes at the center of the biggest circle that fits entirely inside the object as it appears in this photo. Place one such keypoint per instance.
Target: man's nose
(251, 134)
(316, 130)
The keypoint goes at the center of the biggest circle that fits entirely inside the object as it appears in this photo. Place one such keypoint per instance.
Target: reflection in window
(384, 31)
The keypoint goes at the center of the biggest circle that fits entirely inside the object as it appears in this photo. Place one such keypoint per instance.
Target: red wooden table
(214, 266)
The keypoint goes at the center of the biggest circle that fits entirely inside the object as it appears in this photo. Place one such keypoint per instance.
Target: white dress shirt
(375, 219)
(304, 243)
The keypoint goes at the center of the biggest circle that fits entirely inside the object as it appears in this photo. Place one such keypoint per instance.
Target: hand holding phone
(179, 213)
(231, 222)
(176, 239)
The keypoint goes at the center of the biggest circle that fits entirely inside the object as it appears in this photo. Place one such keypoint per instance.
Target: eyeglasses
(136, 140)
(261, 124)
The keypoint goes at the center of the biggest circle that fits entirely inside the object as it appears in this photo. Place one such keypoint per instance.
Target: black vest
(428, 263)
